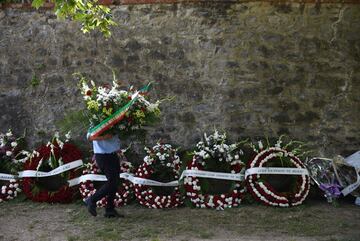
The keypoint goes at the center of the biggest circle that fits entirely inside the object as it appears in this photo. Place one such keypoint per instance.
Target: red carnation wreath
(163, 163)
(124, 193)
(36, 188)
(214, 151)
(262, 189)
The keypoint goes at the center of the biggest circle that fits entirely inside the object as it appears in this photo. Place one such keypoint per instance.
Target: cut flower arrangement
(55, 154)
(109, 102)
(12, 157)
(161, 163)
(215, 154)
(286, 189)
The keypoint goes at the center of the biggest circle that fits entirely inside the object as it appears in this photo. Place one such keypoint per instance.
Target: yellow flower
(107, 112)
(139, 115)
(92, 104)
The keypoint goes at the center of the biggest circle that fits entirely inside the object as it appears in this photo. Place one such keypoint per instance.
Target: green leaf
(91, 15)
(38, 3)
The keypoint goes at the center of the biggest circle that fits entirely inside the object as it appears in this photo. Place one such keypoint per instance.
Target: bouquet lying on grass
(116, 111)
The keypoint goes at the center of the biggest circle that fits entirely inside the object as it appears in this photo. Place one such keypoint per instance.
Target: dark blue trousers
(109, 164)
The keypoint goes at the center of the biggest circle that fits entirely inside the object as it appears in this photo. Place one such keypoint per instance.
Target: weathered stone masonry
(252, 69)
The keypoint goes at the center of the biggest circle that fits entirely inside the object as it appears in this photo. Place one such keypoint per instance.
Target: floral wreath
(56, 153)
(104, 101)
(9, 190)
(161, 159)
(263, 191)
(124, 192)
(11, 159)
(214, 148)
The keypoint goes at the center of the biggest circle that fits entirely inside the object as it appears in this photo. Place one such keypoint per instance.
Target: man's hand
(99, 138)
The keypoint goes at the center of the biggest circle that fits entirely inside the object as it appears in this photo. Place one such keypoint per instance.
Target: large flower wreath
(11, 161)
(124, 192)
(104, 101)
(163, 164)
(48, 157)
(213, 154)
(278, 190)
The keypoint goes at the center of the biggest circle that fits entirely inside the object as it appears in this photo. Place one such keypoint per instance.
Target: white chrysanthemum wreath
(280, 158)
(11, 161)
(124, 192)
(162, 162)
(213, 149)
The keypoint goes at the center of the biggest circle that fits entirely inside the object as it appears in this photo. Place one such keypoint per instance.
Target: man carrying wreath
(105, 149)
(112, 110)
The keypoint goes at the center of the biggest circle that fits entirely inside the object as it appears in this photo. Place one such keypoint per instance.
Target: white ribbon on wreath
(213, 175)
(34, 173)
(56, 171)
(148, 182)
(7, 177)
(127, 176)
(276, 170)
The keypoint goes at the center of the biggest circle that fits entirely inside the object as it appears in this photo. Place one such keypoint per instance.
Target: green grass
(313, 220)
(205, 235)
(73, 238)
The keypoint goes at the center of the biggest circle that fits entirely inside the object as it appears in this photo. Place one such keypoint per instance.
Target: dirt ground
(315, 220)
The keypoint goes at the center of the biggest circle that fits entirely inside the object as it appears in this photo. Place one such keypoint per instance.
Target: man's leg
(112, 171)
(102, 161)
(110, 166)
(91, 201)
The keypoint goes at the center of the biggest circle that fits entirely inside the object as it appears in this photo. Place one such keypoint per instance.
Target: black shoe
(91, 207)
(112, 213)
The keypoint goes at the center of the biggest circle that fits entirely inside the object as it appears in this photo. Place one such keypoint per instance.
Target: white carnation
(68, 135)
(261, 146)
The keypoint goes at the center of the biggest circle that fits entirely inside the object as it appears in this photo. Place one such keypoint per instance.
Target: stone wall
(252, 69)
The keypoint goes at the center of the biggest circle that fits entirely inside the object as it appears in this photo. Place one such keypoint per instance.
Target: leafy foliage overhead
(88, 12)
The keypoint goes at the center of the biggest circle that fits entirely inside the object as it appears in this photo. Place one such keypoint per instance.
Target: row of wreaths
(213, 159)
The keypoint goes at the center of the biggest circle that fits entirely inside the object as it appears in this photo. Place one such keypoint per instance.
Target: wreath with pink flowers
(124, 192)
(213, 154)
(161, 164)
(278, 190)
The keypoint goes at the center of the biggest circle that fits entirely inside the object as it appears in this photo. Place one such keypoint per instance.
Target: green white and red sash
(118, 115)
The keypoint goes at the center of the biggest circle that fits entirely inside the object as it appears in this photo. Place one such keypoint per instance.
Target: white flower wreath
(161, 155)
(214, 147)
(124, 192)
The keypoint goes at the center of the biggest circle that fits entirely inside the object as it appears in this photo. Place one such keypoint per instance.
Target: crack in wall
(334, 25)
